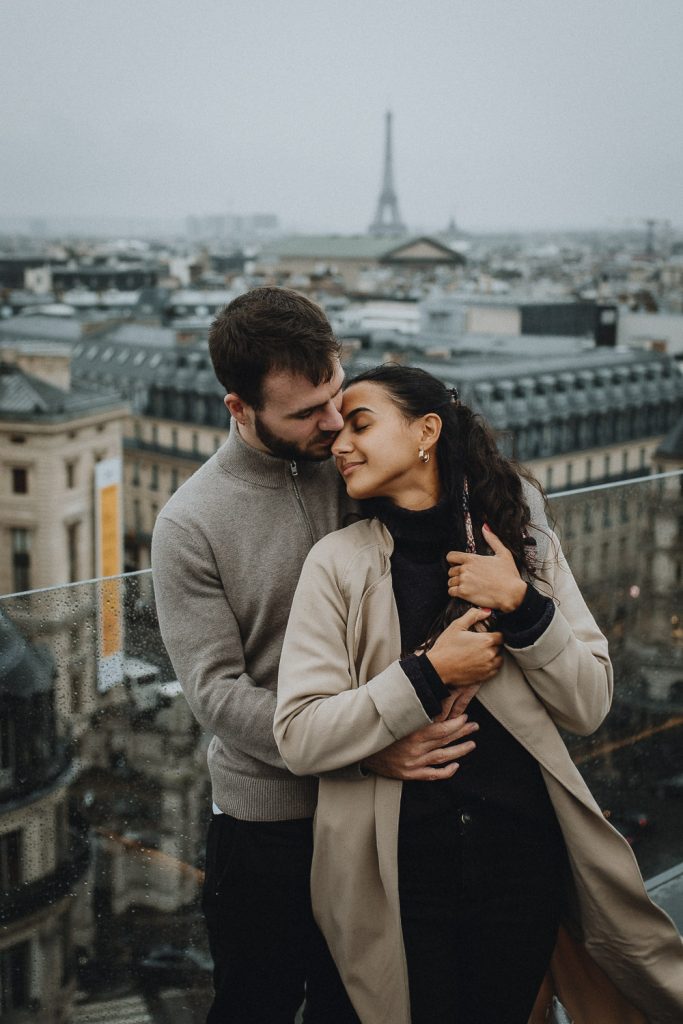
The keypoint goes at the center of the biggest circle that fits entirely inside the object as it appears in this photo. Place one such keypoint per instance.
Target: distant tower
(452, 229)
(387, 218)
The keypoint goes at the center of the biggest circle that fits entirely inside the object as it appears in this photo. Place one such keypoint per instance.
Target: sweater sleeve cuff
(529, 621)
(426, 682)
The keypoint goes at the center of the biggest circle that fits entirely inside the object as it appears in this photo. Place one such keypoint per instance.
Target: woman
(442, 901)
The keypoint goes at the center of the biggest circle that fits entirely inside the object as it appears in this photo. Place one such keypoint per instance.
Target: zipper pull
(294, 470)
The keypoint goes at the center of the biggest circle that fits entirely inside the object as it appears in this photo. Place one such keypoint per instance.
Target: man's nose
(332, 419)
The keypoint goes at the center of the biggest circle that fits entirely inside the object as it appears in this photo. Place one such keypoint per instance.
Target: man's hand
(426, 754)
(490, 581)
(462, 657)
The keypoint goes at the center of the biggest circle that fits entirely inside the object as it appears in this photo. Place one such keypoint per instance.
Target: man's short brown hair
(270, 329)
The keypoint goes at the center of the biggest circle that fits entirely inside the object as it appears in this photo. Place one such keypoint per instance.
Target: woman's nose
(342, 444)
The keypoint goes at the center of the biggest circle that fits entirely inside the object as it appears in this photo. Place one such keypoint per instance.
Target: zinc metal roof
(24, 396)
(672, 445)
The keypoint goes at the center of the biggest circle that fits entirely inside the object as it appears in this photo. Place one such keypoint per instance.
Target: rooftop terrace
(103, 847)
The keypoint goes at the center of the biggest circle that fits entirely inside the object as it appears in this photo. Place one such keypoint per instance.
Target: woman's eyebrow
(354, 412)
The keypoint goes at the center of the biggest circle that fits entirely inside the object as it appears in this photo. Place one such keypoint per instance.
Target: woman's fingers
(457, 558)
(493, 541)
(468, 576)
(470, 618)
(462, 657)
(491, 580)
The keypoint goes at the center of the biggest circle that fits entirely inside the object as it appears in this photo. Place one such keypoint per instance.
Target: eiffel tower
(387, 220)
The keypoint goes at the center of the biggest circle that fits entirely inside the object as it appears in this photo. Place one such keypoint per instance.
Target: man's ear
(235, 406)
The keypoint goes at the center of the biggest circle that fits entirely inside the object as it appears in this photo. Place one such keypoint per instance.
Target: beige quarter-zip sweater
(227, 552)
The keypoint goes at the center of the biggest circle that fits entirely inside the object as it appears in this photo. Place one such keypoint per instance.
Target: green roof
(334, 247)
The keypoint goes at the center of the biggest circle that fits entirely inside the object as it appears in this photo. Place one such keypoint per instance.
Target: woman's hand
(491, 581)
(463, 657)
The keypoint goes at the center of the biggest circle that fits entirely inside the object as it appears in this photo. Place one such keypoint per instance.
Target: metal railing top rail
(616, 483)
(77, 583)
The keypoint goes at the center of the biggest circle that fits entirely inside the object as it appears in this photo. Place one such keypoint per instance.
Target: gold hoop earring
(423, 456)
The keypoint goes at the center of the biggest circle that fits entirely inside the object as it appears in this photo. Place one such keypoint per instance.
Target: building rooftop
(142, 334)
(672, 445)
(46, 328)
(477, 362)
(525, 362)
(24, 669)
(325, 247)
(513, 298)
(203, 297)
(26, 397)
(501, 376)
(514, 389)
(352, 247)
(113, 360)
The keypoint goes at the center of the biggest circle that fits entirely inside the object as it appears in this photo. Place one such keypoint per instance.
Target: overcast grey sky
(507, 113)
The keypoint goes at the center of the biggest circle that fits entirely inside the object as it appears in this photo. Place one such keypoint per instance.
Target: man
(227, 552)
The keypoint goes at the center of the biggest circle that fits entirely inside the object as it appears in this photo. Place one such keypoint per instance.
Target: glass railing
(102, 828)
(624, 543)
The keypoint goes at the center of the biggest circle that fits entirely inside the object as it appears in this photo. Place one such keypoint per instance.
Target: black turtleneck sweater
(499, 773)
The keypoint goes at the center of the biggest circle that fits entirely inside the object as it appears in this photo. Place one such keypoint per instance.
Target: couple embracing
(367, 610)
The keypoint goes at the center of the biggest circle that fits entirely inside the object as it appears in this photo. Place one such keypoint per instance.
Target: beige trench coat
(342, 696)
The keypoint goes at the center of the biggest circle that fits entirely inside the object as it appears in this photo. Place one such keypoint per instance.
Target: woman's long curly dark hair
(466, 447)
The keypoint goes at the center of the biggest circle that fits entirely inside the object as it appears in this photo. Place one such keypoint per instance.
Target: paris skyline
(528, 117)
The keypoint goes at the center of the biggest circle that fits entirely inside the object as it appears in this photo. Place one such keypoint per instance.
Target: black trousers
(480, 908)
(268, 953)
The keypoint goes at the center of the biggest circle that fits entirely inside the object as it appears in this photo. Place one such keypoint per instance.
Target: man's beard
(288, 449)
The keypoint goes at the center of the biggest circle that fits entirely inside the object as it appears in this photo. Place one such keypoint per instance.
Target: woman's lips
(349, 467)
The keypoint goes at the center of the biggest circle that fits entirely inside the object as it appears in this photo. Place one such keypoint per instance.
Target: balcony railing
(23, 900)
(140, 783)
(38, 777)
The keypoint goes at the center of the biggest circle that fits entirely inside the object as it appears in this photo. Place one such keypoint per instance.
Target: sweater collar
(256, 467)
(425, 527)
